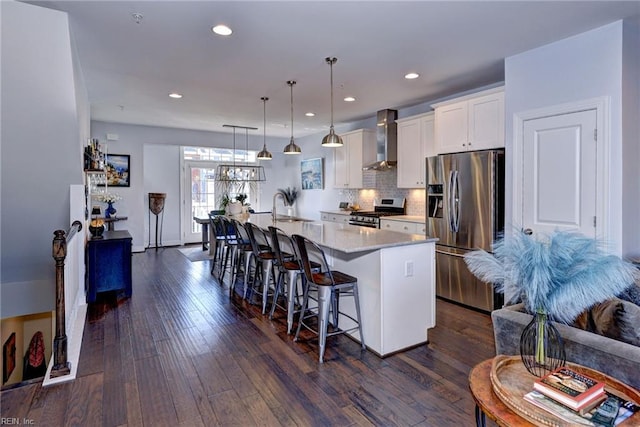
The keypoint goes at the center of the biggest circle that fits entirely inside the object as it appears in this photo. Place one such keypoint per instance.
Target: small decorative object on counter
(96, 227)
(290, 195)
(110, 211)
(109, 199)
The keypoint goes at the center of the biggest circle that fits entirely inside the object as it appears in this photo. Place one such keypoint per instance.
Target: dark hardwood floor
(182, 352)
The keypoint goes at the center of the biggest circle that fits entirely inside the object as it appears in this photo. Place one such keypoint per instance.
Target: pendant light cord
(234, 150)
(331, 62)
(264, 124)
(291, 83)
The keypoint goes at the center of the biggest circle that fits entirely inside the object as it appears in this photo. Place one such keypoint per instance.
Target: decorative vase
(234, 208)
(110, 211)
(541, 346)
(96, 231)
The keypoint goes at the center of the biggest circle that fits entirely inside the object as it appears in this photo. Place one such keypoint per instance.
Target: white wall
(161, 166)
(139, 141)
(40, 151)
(631, 138)
(582, 67)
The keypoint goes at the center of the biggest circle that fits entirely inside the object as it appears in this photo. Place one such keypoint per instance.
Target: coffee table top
(482, 390)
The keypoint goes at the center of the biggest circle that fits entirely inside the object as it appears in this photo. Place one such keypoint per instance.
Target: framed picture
(118, 171)
(8, 357)
(312, 174)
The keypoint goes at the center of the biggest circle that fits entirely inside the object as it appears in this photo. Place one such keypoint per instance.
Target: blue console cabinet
(109, 264)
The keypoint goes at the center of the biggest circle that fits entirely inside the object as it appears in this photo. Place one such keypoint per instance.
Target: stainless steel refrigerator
(465, 211)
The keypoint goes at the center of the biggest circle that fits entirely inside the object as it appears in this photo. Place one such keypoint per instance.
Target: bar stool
(288, 267)
(215, 222)
(231, 243)
(330, 286)
(243, 253)
(264, 257)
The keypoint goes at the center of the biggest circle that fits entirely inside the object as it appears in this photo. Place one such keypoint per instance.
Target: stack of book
(571, 389)
(579, 399)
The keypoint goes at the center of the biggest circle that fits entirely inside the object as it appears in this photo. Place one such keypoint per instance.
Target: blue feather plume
(562, 274)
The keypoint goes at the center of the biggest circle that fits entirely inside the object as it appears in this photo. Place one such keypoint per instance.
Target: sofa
(618, 359)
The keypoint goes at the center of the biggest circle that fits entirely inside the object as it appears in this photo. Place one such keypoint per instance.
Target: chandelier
(243, 171)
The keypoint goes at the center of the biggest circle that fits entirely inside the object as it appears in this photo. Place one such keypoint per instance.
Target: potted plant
(557, 276)
(224, 202)
(290, 195)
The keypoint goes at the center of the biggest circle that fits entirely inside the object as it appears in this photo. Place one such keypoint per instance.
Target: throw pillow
(631, 294)
(614, 318)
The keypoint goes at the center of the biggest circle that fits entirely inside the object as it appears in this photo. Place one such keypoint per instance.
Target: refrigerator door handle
(454, 202)
(450, 201)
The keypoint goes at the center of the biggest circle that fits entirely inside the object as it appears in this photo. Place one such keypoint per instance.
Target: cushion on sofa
(613, 318)
(632, 293)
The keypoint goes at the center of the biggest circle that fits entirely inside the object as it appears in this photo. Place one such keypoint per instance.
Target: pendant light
(264, 154)
(331, 139)
(292, 148)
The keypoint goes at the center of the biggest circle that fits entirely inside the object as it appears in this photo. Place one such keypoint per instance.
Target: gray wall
(41, 139)
(585, 66)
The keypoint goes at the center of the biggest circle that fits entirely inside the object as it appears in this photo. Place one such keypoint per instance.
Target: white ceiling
(130, 68)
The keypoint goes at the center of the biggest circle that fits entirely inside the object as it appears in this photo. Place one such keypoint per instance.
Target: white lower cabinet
(403, 226)
(335, 217)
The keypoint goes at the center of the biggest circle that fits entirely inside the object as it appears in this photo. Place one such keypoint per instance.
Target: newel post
(60, 365)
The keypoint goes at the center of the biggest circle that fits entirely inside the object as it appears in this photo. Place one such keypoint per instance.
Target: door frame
(602, 107)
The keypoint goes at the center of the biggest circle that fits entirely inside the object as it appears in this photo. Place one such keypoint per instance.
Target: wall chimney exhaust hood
(387, 142)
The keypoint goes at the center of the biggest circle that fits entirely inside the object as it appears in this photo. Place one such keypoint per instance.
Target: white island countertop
(341, 237)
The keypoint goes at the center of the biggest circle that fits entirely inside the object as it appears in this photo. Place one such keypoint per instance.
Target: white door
(200, 197)
(559, 173)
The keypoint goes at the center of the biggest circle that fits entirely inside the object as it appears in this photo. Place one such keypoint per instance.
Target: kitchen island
(396, 278)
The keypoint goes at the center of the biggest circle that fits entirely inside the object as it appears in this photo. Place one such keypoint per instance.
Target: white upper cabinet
(359, 150)
(415, 144)
(473, 122)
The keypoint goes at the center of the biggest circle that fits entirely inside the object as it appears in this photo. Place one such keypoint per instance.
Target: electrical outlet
(408, 269)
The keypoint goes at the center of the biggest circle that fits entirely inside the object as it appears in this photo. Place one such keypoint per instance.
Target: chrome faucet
(273, 210)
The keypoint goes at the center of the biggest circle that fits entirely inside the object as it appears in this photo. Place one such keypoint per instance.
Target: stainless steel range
(386, 207)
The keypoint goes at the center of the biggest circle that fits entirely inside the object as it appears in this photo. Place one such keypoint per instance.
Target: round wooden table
(487, 403)
(519, 381)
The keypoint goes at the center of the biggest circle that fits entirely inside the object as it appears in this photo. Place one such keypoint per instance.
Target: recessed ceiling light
(310, 114)
(411, 76)
(349, 99)
(175, 95)
(222, 30)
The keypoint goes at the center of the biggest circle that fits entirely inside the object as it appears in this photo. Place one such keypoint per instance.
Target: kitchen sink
(292, 219)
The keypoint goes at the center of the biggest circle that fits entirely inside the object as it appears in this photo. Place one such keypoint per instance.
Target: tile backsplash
(379, 185)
